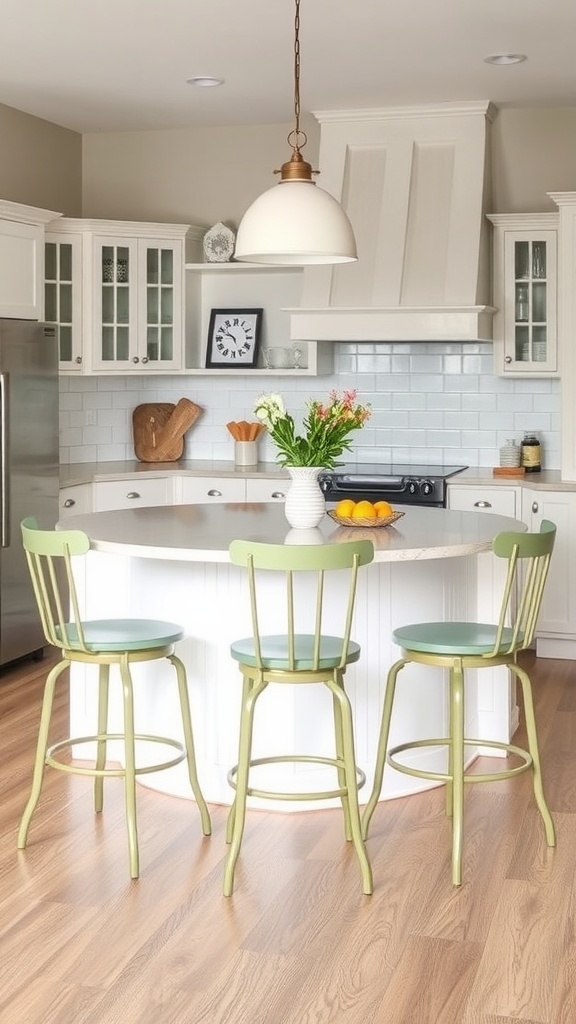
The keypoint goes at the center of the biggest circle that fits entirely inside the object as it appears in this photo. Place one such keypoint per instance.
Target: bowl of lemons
(364, 513)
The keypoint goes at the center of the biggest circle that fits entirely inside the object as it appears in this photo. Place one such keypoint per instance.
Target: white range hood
(415, 183)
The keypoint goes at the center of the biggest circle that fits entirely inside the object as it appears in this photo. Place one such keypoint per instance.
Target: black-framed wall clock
(233, 338)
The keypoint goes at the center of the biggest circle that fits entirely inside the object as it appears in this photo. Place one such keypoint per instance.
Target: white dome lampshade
(295, 222)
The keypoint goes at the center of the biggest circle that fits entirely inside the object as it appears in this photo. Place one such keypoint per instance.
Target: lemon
(383, 509)
(364, 510)
(345, 507)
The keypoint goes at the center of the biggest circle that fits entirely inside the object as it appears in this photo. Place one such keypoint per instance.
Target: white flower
(270, 408)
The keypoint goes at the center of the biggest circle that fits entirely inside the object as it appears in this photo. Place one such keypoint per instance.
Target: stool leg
(382, 745)
(352, 784)
(189, 741)
(130, 766)
(104, 677)
(535, 755)
(41, 750)
(339, 745)
(246, 687)
(457, 761)
(254, 690)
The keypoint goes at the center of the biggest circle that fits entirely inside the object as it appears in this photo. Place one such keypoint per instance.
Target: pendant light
(295, 221)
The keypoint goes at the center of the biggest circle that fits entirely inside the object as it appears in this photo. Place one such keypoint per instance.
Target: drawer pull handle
(69, 503)
(535, 506)
(278, 494)
(214, 493)
(133, 494)
(482, 504)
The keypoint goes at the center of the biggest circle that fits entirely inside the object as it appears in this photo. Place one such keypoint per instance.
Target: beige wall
(190, 176)
(534, 152)
(40, 163)
(200, 176)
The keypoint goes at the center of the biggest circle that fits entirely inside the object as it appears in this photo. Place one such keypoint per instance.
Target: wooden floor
(297, 943)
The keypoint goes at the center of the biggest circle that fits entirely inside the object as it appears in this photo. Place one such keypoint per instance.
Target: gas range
(398, 484)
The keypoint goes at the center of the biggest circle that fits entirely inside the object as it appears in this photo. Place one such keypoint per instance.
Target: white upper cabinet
(22, 260)
(127, 292)
(526, 294)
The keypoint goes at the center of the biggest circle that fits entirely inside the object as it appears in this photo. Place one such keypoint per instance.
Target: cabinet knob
(507, 359)
(69, 503)
(278, 494)
(214, 493)
(482, 504)
(132, 494)
(144, 359)
(78, 359)
(135, 359)
(535, 506)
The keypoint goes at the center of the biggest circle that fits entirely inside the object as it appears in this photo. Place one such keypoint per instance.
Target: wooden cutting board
(159, 428)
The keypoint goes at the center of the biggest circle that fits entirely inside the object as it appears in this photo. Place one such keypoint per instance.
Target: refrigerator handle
(4, 459)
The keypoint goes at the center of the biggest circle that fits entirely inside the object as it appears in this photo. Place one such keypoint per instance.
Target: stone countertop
(94, 472)
(203, 533)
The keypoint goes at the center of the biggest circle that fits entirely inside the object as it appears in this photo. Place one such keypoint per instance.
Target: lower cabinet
(557, 623)
(76, 501)
(196, 489)
(501, 501)
(132, 493)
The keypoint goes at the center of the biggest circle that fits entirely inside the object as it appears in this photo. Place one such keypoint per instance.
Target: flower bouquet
(327, 428)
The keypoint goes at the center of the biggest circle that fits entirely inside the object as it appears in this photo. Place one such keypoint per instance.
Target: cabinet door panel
(558, 613)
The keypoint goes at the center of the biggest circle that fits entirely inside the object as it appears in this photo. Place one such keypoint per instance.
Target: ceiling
(122, 65)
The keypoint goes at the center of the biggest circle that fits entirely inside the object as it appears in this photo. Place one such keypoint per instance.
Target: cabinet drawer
(196, 490)
(75, 501)
(113, 494)
(501, 501)
(266, 490)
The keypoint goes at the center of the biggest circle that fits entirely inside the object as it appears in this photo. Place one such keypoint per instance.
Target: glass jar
(531, 453)
(510, 453)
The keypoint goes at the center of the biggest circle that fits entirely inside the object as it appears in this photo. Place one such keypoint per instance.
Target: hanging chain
(297, 69)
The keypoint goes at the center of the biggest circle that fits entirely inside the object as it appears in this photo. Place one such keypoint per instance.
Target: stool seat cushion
(123, 634)
(274, 650)
(452, 638)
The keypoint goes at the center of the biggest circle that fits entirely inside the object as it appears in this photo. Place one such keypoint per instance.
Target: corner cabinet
(525, 287)
(115, 290)
(276, 290)
(22, 260)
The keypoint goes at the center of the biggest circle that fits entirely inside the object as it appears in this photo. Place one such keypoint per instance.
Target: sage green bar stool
(458, 646)
(102, 642)
(301, 653)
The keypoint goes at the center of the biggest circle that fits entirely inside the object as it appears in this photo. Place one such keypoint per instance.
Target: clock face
(233, 337)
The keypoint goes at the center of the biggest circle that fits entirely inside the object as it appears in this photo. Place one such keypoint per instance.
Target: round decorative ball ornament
(218, 244)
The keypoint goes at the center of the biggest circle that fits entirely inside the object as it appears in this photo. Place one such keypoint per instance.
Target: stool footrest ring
(420, 773)
(299, 759)
(73, 769)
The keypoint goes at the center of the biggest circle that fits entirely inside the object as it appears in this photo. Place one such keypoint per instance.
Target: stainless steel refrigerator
(28, 470)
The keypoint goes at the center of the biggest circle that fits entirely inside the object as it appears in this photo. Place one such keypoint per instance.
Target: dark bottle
(531, 454)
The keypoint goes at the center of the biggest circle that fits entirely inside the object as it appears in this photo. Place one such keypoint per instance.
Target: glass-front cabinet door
(63, 297)
(138, 305)
(525, 294)
(161, 303)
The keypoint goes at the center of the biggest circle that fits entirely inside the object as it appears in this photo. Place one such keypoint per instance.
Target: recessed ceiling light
(205, 82)
(505, 58)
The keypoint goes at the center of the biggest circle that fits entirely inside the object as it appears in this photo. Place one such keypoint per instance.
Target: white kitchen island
(172, 562)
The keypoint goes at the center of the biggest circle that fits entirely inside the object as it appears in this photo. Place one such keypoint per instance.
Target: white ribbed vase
(305, 504)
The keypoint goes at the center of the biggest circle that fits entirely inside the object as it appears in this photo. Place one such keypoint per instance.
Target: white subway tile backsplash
(432, 403)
